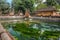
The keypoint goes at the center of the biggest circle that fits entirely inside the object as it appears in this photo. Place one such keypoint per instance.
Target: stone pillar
(11, 12)
(20, 13)
(0, 12)
(54, 13)
(27, 14)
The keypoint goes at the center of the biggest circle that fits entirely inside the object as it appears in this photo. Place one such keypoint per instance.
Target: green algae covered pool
(33, 30)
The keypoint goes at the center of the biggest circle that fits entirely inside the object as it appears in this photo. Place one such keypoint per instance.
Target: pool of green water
(34, 30)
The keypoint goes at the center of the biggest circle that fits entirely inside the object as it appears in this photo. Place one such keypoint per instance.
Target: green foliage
(41, 6)
(51, 2)
(23, 5)
(57, 6)
(5, 25)
(38, 1)
(24, 29)
(28, 32)
(51, 34)
(58, 1)
(4, 6)
(15, 38)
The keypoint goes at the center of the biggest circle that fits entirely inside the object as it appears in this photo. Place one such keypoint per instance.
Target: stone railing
(4, 35)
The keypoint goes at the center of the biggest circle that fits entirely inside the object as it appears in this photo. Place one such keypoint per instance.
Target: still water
(42, 26)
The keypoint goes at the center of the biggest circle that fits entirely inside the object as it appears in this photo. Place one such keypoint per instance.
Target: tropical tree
(41, 6)
(23, 5)
(58, 1)
(54, 3)
(4, 6)
(51, 2)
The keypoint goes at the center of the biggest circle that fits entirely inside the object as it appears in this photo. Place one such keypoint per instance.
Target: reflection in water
(14, 33)
(42, 26)
(18, 35)
(35, 26)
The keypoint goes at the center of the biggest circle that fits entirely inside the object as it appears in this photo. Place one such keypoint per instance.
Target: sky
(9, 1)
